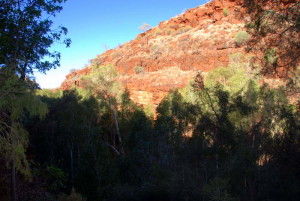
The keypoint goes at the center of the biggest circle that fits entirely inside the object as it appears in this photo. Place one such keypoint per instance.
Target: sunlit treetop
(26, 34)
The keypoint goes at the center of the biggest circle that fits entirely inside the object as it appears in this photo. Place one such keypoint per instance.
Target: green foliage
(13, 144)
(138, 69)
(241, 37)
(232, 79)
(27, 34)
(204, 143)
(103, 82)
(157, 32)
(49, 93)
(174, 115)
(170, 31)
(17, 102)
(225, 12)
(183, 29)
(270, 56)
(155, 49)
(56, 178)
(220, 153)
(188, 93)
(222, 137)
(116, 55)
(149, 111)
(250, 25)
(293, 84)
(275, 28)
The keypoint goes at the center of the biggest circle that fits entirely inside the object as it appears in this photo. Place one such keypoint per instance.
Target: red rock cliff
(170, 54)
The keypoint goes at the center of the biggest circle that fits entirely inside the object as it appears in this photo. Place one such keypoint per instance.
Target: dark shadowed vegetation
(224, 137)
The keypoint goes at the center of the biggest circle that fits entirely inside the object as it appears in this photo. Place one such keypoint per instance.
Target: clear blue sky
(93, 23)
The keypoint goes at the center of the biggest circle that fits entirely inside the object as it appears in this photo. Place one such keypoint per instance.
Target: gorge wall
(169, 55)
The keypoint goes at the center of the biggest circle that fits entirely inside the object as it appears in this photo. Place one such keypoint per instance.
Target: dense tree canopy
(224, 140)
(26, 34)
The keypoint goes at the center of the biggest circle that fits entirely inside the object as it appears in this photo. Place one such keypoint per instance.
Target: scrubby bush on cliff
(139, 69)
(241, 37)
(183, 29)
(275, 25)
(270, 56)
(157, 32)
(170, 31)
(116, 54)
(155, 49)
(225, 12)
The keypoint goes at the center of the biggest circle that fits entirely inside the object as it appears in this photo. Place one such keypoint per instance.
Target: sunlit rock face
(169, 55)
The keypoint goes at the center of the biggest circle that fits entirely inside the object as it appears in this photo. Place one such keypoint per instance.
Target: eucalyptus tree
(26, 34)
(103, 85)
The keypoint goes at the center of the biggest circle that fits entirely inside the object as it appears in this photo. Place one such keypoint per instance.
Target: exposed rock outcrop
(170, 54)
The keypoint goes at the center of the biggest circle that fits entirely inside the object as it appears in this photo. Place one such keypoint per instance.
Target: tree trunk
(71, 164)
(115, 116)
(252, 190)
(13, 182)
(118, 131)
(78, 154)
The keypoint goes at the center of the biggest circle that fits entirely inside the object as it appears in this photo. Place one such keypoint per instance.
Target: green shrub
(250, 25)
(116, 54)
(155, 49)
(50, 93)
(55, 177)
(241, 37)
(170, 31)
(270, 56)
(157, 32)
(183, 30)
(149, 110)
(236, 58)
(233, 78)
(225, 12)
(139, 69)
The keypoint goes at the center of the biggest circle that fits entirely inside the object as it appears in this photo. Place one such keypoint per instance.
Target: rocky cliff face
(169, 55)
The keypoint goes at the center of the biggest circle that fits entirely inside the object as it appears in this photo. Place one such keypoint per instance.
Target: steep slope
(169, 55)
